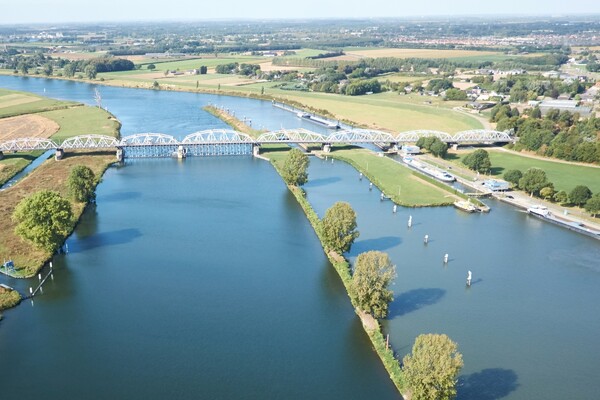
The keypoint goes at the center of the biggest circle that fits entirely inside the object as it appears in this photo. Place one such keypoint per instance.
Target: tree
(455, 94)
(81, 183)
(90, 71)
(536, 113)
(203, 70)
(339, 227)
(69, 70)
(23, 68)
(439, 148)
(533, 180)
(592, 205)
(44, 218)
(47, 69)
(580, 195)
(294, 168)
(561, 197)
(155, 85)
(479, 161)
(513, 176)
(431, 370)
(547, 192)
(151, 67)
(373, 272)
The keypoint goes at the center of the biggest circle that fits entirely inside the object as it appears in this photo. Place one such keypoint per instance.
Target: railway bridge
(215, 142)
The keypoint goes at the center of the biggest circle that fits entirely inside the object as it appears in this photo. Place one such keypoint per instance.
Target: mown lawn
(82, 120)
(564, 176)
(395, 180)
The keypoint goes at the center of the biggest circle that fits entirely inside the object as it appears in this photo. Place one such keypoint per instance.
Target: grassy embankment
(276, 154)
(565, 176)
(53, 175)
(8, 298)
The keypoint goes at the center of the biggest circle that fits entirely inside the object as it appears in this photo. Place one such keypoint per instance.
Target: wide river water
(203, 279)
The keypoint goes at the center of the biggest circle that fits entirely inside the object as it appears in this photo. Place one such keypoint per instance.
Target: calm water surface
(204, 279)
(528, 326)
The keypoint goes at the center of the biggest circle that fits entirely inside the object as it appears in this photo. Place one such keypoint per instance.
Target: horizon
(28, 12)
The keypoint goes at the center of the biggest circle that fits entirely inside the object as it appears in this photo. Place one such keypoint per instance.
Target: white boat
(465, 205)
(303, 115)
(539, 210)
(429, 170)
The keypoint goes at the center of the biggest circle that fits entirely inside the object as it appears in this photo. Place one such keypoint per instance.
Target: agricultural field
(358, 53)
(565, 176)
(67, 119)
(14, 103)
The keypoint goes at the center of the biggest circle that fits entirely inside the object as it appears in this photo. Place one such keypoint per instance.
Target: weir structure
(225, 142)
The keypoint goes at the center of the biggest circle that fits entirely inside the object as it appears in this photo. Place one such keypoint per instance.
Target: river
(202, 278)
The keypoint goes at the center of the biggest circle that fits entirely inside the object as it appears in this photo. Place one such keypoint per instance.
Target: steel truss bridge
(228, 142)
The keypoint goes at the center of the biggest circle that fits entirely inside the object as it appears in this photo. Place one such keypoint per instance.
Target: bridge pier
(1, 155)
(60, 153)
(327, 148)
(181, 152)
(255, 150)
(120, 154)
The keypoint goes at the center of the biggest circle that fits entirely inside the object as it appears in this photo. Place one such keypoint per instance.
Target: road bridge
(214, 142)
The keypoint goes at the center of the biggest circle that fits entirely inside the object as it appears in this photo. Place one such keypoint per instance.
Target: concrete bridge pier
(60, 153)
(181, 152)
(120, 154)
(327, 148)
(255, 150)
(1, 155)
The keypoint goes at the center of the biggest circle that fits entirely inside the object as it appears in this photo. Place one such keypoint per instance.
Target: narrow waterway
(203, 279)
(527, 327)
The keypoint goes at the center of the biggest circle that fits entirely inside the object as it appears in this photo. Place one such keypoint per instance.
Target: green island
(70, 119)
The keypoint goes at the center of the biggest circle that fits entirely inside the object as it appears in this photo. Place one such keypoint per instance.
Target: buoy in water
(409, 221)
(426, 239)
(446, 258)
(394, 209)
(469, 278)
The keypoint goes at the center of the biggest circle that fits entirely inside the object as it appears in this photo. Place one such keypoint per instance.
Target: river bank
(51, 175)
(370, 325)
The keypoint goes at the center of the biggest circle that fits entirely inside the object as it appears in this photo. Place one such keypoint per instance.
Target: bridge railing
(224, 136)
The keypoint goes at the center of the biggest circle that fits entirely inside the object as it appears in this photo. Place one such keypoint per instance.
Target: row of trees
(237, 68)
(559, 134)
(45, 218)
(434, 145)
(535, 182)
(430, 371)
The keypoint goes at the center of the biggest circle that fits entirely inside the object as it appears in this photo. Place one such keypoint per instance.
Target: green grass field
(82, 120)
(182, 65)
(395, 180)
(18, 103)
(564, 176)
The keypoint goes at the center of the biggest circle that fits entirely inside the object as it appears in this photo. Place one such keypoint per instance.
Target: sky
(55, 11)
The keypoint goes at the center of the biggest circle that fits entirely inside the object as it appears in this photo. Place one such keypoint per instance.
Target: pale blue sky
(54, 11)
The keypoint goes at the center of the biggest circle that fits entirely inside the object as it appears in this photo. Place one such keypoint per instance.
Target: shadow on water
(324, 181)
(489, 384)
(121, 236)
(382, 243)
(414, 300)
(120, 196)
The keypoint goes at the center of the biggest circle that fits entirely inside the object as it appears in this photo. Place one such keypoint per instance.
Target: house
(496, 186)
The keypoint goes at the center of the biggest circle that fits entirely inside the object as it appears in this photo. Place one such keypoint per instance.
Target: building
(410, 150)
(564, 105)
(496, 186)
